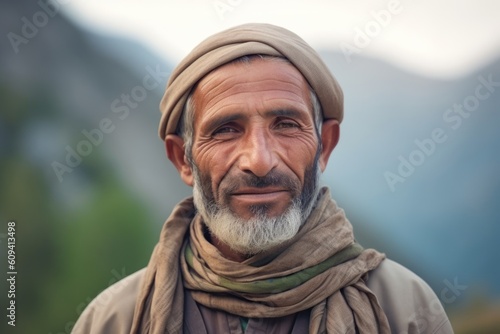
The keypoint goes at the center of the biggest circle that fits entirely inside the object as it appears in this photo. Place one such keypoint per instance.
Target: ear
(174, 146)
(330, 133)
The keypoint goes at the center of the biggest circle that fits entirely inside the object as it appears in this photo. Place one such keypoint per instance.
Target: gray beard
(261, 232)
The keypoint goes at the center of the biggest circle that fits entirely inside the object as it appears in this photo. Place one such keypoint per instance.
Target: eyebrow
(283, 112)
(217, 121)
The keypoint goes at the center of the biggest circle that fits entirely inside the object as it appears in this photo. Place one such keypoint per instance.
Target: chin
(255, 235)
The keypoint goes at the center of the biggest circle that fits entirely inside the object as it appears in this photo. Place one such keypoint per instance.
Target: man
(250, 118)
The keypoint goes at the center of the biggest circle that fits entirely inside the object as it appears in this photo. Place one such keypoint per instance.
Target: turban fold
(244, 40)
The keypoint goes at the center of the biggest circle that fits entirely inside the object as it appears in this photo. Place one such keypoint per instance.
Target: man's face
(255, 152)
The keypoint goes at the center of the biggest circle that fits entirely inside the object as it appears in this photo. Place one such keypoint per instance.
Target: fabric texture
(409, 303)
(336, 293)
(248, 39)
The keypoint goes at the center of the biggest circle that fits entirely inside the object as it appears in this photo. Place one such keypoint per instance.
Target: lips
(258, 191)
(268, 194)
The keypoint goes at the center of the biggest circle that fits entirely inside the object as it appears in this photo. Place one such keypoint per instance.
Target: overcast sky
(438, 38)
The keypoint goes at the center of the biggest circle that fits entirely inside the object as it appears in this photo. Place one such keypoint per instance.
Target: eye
(286, 124)
(225, 131)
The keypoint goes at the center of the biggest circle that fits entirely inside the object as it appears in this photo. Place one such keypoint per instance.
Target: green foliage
(64, 258)
(72, 241)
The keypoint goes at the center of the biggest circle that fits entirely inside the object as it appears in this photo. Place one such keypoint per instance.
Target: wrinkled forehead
(248, 83)
(251, 69)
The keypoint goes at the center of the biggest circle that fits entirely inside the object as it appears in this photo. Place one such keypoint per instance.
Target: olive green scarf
(322, 268)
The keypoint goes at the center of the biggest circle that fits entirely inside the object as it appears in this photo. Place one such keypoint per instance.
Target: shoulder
(409, 303)
(113, 309)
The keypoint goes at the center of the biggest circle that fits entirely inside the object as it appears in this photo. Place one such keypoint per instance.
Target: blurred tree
(64, 253)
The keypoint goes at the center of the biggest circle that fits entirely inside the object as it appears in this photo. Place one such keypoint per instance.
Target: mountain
(82, 171)
(89, 76)
(440, 203)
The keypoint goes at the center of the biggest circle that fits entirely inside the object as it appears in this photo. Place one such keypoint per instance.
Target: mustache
(273, 179)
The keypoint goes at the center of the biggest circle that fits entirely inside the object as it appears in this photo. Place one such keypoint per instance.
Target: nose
(258, 153)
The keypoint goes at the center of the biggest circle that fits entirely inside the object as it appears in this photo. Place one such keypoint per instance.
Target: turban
(244, 40)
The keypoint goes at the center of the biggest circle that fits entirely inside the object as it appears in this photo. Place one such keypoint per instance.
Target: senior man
(249, 119)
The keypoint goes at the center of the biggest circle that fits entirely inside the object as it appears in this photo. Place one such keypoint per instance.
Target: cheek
(216, 160)
(213, 163)
(298, 154)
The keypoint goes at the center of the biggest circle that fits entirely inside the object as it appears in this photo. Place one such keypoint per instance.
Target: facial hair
(262, 231)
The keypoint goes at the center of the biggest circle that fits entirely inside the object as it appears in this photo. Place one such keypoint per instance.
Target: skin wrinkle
(249, 83)
(212, 108)
(185, 127)
(252, 111)
(304, 205)
(218, 120)
(235, 87)
(210, 145)
(233, 91)
(203, 140)
(254, 125)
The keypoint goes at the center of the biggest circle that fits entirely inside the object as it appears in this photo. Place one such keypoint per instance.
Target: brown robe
(408, 302)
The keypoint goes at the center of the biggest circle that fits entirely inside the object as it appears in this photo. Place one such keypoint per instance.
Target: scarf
(322, 268)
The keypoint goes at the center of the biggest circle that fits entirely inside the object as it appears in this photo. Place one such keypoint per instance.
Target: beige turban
(248, 39)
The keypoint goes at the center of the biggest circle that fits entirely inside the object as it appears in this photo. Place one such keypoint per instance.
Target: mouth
(268, 194)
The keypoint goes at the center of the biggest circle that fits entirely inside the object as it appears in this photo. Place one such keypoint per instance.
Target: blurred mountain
(89, 76)
(67, 85)
(86, 223)
(442, 214)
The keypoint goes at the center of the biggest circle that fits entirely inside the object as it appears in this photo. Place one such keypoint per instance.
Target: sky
(435, 38)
